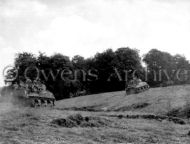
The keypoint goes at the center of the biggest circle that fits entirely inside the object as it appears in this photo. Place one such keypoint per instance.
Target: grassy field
(159, 115)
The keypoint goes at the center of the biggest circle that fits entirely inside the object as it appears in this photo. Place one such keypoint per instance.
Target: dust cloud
(6, 100)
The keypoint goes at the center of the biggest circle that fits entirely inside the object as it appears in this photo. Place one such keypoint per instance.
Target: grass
(102, 118)
(155, 100)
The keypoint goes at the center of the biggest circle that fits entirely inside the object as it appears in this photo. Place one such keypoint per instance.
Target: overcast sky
(85, 27)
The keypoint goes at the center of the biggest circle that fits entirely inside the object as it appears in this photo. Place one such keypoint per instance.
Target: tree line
(104, 72)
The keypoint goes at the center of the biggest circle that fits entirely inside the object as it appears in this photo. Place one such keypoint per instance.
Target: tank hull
(21, 97)
(42, 99)
(137, 88)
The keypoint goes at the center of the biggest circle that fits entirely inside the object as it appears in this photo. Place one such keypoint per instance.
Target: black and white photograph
(94, 71)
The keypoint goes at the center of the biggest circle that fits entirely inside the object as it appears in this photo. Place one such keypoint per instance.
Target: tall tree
(26, 64)
(161, 66)
(78, 62)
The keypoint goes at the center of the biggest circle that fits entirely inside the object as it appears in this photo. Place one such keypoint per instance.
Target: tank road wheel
(35, 103)
(146, 87)
(127, 91)
(50, 103)
(45, 103)
(39, 102)
(53, 102)
(138, 91)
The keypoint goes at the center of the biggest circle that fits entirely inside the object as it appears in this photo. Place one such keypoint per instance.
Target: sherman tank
(38, 95)
(32, 94)
(136, 86)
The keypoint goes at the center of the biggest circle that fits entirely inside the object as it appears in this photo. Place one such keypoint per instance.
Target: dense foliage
(106, 71)
(163, 68)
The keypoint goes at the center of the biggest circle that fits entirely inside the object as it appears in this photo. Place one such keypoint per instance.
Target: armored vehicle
(136, 86)
(32, 93)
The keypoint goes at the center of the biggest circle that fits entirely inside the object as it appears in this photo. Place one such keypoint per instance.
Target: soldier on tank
(29, 85)
(35, 86)
(136, 80)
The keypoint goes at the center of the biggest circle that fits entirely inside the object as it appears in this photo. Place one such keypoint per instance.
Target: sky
(84, 27)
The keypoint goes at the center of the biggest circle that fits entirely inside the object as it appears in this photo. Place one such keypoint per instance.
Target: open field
(148, 117)
(155, 100)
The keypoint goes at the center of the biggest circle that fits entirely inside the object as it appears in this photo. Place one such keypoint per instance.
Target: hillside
(155, 100)
(102, 118)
